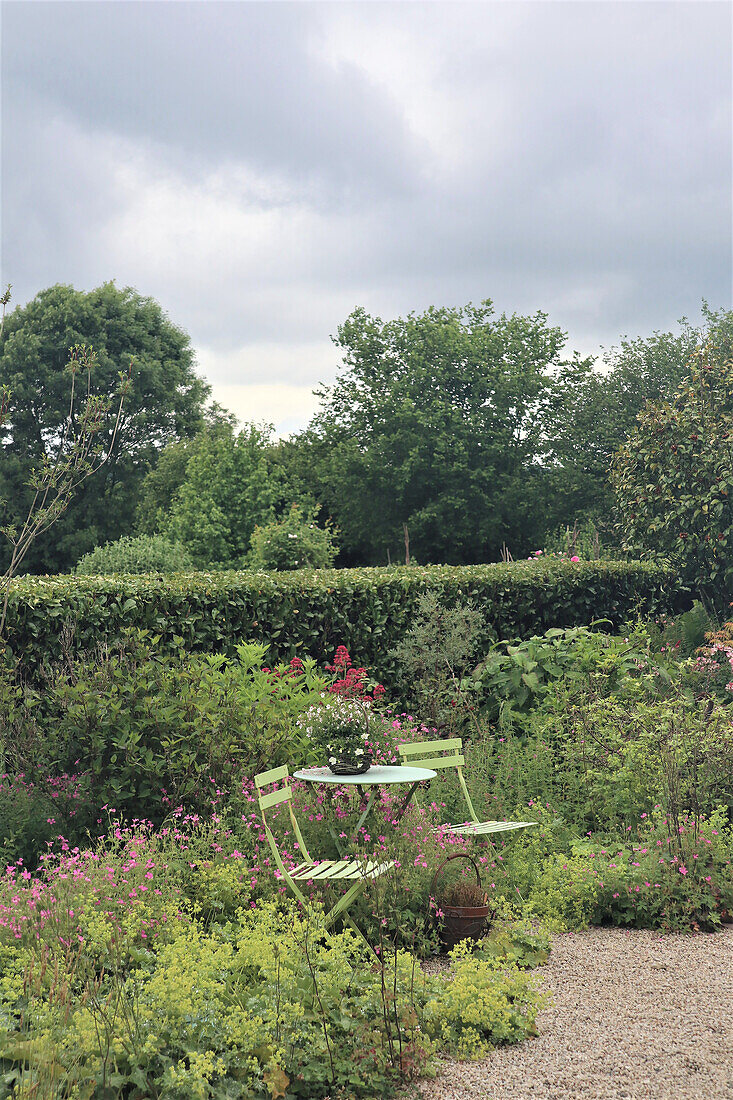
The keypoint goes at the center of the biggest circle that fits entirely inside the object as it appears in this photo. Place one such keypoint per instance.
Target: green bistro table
(379, 775)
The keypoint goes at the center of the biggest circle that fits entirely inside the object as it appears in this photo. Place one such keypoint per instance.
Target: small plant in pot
(463, 906)
(339, 727)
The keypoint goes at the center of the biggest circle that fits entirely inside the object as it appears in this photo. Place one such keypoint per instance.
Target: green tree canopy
(591, 412)
(161, 483)
(434, 423)
(165, 404)
(230, 486)
(674, 478)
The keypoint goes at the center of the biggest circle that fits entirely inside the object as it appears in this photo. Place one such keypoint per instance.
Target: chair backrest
(275, 798)
(446, 753)
(433, 754)
(266, 779)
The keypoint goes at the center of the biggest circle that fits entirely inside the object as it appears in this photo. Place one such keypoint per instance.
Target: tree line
(456, 433)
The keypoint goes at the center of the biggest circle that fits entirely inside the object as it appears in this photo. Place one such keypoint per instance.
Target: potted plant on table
(339, 728)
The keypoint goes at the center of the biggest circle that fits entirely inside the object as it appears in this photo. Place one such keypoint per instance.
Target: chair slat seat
(476, 828)
(339, 869)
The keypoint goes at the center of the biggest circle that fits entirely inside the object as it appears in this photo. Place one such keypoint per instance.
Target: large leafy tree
(434, 426)
(165, 404)
(592, 412)
(674, 478)
(162, 482)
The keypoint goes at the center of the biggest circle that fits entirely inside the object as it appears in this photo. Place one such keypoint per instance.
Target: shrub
(482, 1007)
(155, 730)
(435, 657)
(293, 542)
(33, 814)
(514, 679)
(143, 554)
(154, 1000)
(673, 876)
(369, 610)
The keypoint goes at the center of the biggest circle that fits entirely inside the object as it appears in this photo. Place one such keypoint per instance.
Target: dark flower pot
(463, 922)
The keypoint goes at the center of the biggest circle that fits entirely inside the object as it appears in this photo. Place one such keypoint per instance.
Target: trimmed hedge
(311, 612)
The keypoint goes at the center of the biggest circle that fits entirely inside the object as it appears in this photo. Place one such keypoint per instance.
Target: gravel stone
(634, 1016)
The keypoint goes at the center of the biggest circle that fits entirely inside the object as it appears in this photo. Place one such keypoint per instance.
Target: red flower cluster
(341, 660)
(354, 682)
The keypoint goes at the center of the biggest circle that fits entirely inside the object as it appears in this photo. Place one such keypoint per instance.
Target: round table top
(378, 773)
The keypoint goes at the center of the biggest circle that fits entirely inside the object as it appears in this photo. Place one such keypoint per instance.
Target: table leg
(337, 841)
(407, 800)
(367, 800)
(365, 804)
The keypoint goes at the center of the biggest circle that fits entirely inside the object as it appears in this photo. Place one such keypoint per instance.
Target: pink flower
(575, 558)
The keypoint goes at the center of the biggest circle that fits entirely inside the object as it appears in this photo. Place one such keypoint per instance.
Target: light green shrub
(142, 554)
(293, 542)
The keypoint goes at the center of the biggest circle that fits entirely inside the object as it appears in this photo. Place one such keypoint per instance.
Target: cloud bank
(263, 168)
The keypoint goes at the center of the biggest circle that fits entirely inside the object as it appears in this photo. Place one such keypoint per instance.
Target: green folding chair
(356, 871)
(449, 754)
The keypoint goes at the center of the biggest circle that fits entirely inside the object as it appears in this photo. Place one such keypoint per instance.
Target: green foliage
(161, 483)
(293, 542)
(567, 893)
(602, 762)
(579, 541)
(523, 945)
(157, 730)
(436, 655)
(514, 679)
(229, 487)
(154, 1001)
(482, 1007)
(681, 634)
(165, 404)
(144, 554)
(369, 610)
(674, 479)
(677, 881)
(433, 424)
(591, 413)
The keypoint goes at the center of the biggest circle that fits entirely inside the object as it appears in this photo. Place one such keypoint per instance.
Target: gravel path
(634, 1017)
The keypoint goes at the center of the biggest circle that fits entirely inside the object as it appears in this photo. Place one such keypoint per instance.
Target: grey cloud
(591, 175)
(209, 81)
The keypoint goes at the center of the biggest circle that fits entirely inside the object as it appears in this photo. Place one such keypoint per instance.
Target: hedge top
(534, 573)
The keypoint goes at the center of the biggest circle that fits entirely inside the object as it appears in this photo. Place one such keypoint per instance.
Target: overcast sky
(263, 168)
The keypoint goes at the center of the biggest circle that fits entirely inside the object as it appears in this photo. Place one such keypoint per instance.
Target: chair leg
(344, 902)
(339, 910)
(298, 893)
(353, 925)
